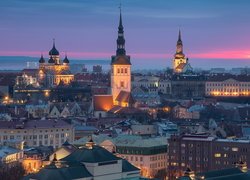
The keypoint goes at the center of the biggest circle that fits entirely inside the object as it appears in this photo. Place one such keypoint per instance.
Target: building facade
(147, 154)
(37, 133)
(228, 86)
(203, 153)
(188, 86)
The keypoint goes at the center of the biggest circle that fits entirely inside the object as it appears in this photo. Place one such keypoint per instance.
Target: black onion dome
(54, 51)
(41, 60)
(66, 60)
(51, 60)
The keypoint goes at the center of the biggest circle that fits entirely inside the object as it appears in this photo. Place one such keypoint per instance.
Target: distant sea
(20, 62)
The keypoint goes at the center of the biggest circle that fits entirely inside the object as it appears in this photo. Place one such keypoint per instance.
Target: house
(86, 163)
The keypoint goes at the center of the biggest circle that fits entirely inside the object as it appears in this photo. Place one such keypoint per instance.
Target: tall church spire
(179, 46)
(179, 37)
(120, 40)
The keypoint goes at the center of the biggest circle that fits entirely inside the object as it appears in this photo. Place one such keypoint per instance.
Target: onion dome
(54, 51)
(41, 60)
(66, 60)
(51, 60)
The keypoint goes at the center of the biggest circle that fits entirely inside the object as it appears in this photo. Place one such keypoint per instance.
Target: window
(126, 70)
(122, 84)
(235, 149)
(217, 155)
(118, 70)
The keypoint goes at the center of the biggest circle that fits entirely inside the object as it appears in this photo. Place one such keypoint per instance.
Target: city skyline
(86, 29)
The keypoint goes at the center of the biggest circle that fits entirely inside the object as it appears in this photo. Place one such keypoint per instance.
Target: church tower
(120, 66)
(179, 61)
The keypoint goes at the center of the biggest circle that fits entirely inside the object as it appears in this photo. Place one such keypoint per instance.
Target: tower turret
(66, 60)
(41, 60)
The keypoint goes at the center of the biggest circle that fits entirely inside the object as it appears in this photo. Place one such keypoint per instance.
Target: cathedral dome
(54, 51)
(51, 60)
(66, 60)
(41, 60)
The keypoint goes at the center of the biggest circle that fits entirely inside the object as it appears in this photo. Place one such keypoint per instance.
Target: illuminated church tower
(180, 63)
(120, 67)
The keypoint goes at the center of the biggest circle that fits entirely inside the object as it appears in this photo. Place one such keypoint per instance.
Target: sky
(214, 32)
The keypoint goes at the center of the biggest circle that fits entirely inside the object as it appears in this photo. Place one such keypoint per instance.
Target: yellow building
(180, 62)
(55, 71)
(120, 69)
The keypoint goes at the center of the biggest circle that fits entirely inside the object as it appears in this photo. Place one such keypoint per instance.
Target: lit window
(235, 149)
(217, 155)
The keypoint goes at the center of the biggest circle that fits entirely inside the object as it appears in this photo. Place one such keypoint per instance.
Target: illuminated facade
(54, 72)
(223, 86)
(180, 62)
(120, 67)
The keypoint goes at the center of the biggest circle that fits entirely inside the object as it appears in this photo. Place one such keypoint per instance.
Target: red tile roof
(102, 102)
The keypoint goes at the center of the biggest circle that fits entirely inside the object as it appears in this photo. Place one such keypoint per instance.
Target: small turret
(66, 60)
(41, 60)
(51, 60)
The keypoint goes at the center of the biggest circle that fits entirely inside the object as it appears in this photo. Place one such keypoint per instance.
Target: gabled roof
(95, 155)
(102, 102)
(127, 167)
(125, 110)
(120, 60)
(64, 171)
(125, 96)
(181, 66)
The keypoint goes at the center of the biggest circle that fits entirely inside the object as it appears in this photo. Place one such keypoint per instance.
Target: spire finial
(179, 36)
(120, 22)
(54, 42)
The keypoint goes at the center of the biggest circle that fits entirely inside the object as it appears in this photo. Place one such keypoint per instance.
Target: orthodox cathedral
(55, 71)
(180, 62)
